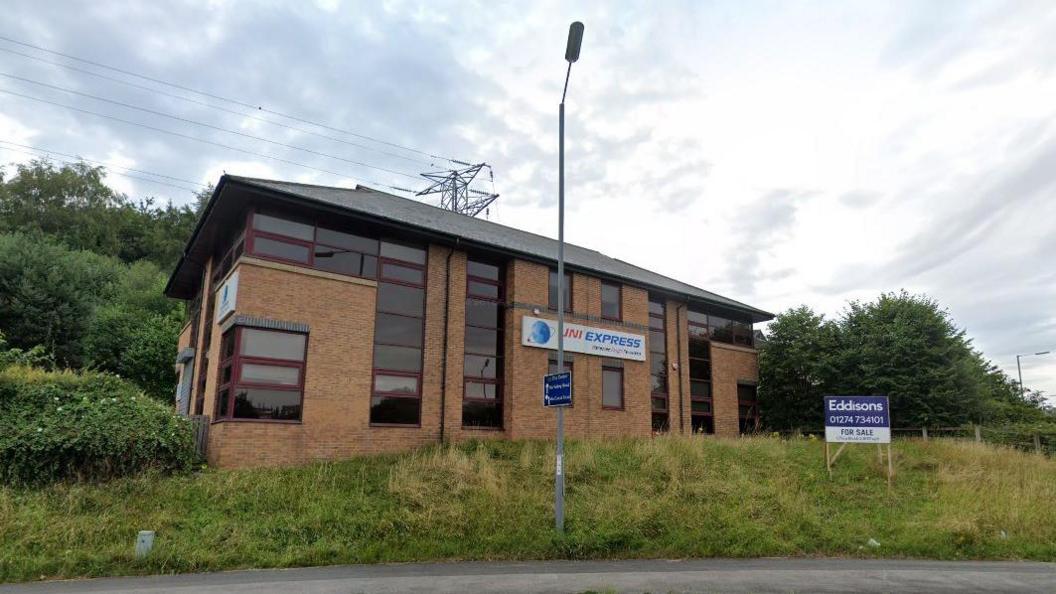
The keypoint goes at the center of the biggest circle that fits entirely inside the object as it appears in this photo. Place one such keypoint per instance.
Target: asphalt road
(706, 575)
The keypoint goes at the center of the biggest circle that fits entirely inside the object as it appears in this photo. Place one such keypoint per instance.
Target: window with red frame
(611, 301)
(658, 364)
(612, 384)
(261, 374)
(483, 368)
(702, 415)
(322, 246)
(399, 330)
(566, 289)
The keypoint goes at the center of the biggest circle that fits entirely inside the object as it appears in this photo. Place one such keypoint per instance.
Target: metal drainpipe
(443, 355)
(678, 338)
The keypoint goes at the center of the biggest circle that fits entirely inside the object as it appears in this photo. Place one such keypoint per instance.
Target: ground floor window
(702, 415)
(261, 374)
(483, 358)
(612, 384)
(748, 408)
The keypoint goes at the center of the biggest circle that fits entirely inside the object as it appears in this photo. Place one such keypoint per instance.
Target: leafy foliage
(903, 346)
(89, 310)
(58, 425)
(72, 204)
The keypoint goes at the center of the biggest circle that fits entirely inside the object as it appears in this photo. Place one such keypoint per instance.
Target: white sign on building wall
(226, 296)
(540, 333)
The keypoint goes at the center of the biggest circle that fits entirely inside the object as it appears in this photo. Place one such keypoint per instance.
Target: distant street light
(1022, 390)
(575, 40)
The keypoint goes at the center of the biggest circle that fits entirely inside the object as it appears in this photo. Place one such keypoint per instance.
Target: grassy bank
(666, 497)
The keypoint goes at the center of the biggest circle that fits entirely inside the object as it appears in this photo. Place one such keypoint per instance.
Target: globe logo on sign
(540, 333)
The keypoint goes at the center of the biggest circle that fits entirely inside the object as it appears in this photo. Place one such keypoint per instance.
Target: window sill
(396, 425)
(479, 428)
(619, 408)
(270, 421)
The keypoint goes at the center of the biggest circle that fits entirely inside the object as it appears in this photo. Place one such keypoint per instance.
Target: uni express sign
(857, 419)
(540, 333)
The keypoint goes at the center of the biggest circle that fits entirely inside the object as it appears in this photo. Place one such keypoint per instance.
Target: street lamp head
(575, 40)
(1042, 353)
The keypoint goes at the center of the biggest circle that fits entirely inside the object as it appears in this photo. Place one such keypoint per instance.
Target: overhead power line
(202, 140)
(136, 177)
(229, 100)
(108, 165)
(218, 108)
(205, 125)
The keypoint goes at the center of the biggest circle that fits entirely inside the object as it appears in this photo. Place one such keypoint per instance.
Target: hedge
(66, 425)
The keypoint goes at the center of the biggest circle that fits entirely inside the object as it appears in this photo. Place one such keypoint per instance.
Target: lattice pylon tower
(454, 190)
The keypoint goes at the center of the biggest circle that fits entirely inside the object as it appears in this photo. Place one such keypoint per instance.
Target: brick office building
(328, 322)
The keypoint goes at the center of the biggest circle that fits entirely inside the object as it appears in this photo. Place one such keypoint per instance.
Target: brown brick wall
(340, 314)
(730, 364)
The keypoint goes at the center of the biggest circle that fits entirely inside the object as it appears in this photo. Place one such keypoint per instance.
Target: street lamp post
(1019, 369)
(575, 40)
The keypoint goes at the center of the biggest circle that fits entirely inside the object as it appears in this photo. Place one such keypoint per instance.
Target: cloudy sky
(779, 153)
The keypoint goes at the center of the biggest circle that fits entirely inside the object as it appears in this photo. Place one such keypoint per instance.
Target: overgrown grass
(664, 497)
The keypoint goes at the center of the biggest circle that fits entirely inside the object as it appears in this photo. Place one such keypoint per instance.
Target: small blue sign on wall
(557, 389)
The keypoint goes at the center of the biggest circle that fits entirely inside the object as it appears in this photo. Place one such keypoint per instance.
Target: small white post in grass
(144, 542)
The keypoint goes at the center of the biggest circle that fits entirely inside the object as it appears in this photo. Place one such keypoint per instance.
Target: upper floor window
(720, 329)
(612, 384)
(319, 246)
(611, 301)
(483, 363)
(566, 289)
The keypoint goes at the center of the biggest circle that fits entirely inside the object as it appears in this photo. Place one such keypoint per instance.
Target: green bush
(59, 425)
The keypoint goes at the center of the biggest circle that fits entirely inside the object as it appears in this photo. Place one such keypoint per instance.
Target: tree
(794, 369)
(902, 346)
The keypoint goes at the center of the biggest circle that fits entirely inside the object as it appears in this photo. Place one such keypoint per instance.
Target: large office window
(322, 246)
(482, 396)
(261, 374)
(658, 364)
(748, 408)
(399, 329)
(612, 384)
(702, 416)
(566, 289)
(611, 301)
(721, 329)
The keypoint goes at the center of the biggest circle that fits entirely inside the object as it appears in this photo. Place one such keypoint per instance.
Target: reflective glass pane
(331, 260)
(701, 406)
(699, 349)
(280, 249)
(610, 301)
(222, 398)
(656, 307)
(477, 413)
(657, 341)
(482, 270)
(478, 289)
(272, 345)
(566, 289)
(480, 366)
(659, 404)
(285, 227)
(482, 313)
(255, 373)
(703, 424)
(402, 273)
(395, 383)
(389, 409)
(397, 358)
(398, 330)
(700, 388)
(398, 251)
(481, 341)
(481, 390)
(401, 299)
(261, 403)
(347, 241)
(699, 369)
(612, 388)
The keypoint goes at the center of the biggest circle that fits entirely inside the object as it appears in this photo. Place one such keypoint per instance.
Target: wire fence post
(924, 433)
(978, 433)
(1037, 443)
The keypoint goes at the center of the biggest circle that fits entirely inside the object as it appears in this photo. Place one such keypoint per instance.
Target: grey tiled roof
(437, 220)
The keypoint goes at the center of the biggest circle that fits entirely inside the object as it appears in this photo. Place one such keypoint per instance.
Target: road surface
(703, 575)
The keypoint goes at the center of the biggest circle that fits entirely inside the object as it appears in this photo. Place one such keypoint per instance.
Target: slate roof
(403, 211)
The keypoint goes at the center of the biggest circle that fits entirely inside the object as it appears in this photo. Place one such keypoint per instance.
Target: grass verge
(667, 497)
